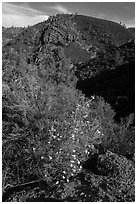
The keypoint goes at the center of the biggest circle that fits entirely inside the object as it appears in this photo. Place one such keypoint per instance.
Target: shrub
(59, 129)
(125, 134)
(49, 129)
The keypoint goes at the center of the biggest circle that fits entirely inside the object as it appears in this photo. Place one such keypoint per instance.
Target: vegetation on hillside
(59, 143)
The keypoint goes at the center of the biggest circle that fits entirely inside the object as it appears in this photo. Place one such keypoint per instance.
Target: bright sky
(29, 13)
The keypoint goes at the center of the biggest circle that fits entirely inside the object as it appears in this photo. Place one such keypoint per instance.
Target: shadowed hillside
(116, 86)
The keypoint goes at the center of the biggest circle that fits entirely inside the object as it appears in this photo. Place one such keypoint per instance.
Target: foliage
(54, 67)
(125, 134)
(53, 128)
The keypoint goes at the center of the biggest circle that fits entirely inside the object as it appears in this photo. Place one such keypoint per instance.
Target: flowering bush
(70, 141)
(56, 130)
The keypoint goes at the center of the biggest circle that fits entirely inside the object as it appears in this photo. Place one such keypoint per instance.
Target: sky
(30, 13)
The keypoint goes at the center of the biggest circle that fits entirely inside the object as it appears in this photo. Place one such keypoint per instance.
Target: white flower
(98, 131)
(93, 97)
(78, 162)
(80, 167)
(73, 135)
(50, 157)
(52, 128)
(74, 155)
(71, 165)
(88, 105)
(86, 151)
(54, 136)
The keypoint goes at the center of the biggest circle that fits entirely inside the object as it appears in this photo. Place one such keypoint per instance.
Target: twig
(17, 188)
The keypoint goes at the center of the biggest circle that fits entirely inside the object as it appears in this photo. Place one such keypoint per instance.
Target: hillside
(86, 35)
(101, 31)
(131, 31)
(68, 103)
(116, 86)
(9, 33)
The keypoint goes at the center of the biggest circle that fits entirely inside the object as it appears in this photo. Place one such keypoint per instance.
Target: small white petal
(78, 162)
(74, 156)
(54, 136)
(98, 131)
(86, 151)
(71, 165)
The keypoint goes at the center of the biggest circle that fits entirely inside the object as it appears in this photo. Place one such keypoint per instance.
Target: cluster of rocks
(61, 30)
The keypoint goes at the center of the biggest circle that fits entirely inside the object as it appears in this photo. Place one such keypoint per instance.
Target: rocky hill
(92, 45)
(85, 35)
